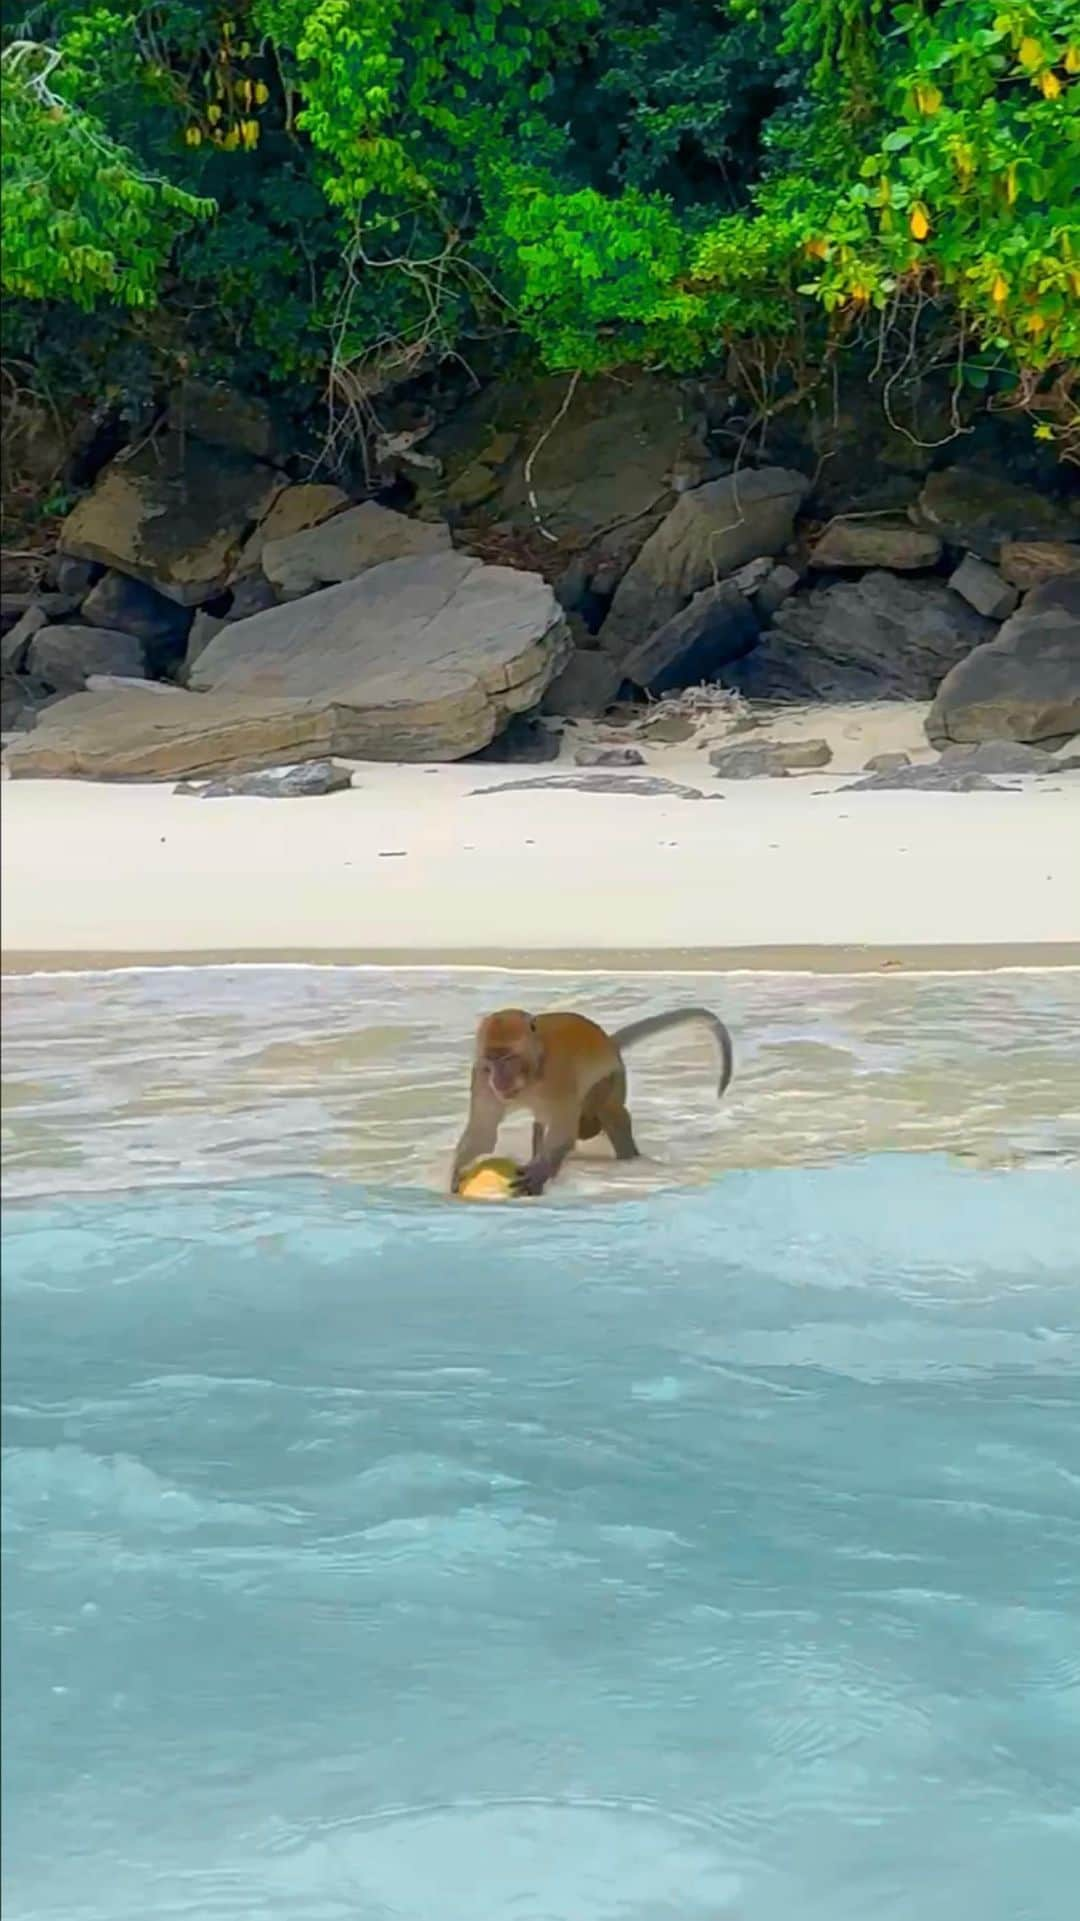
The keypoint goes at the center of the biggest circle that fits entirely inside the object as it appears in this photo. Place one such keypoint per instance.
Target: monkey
(570, 1076)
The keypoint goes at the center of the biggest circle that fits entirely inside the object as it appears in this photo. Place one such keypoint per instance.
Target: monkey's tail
(681, 1017)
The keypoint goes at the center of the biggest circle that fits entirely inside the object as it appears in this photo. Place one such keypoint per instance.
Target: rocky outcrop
(176, 515)
(707, 535)
(982, 511)
(423, 659)
(1025, 684)
(877, 638)
(715, 627)
(875, 540)
(345, 546)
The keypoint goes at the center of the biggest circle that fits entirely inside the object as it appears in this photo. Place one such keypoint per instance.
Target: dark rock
(251, 595)
(587, 685)
(934, 778)
(1061, 593)
(716, 627)
(706, 536)
(886, 763)
(129, 606)
(875, 541)
(983, 588)
(51, 606)
(176, 514)
(222, 417)
(881, 637)
(300, 782)
(609, 757)
(981, 511)
(1025, 685)
(1030, 563)
(671, 729)
(204, 628)
(15, 645)
(22, 699)
(747, 760)
(73, 577)
(644, 785)
(63, 657)
(524, 739)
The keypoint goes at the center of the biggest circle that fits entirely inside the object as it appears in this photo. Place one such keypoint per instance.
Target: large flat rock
(1025, 684)
(345, 545)
(423, 659)
(176, 514)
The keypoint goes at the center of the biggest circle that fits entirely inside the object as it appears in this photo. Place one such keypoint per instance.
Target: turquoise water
(676, 1553)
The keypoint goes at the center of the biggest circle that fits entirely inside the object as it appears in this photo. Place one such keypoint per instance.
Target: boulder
(222, 417)
(669, 730)
(295, 510)
(301, 782)
(1025, 685)
(981, 511)
(717, 626)
(886, 763)
(131, 607)
(876, 541)
(766, 584)
(15, 645)
(609, 757)
(983, 588)
(1000, 757)
(646, 786)
(877, 638)
(422, 659)
(748, 760)
(203, 629)
(1063, 593)
(933, 778)
(176, 514)
(1030, 563)
(706, 536)
(63, 657)
(252, 594)
(21, 701)
(586, 686)
(132, 736)
(345, 546)
(71, 576)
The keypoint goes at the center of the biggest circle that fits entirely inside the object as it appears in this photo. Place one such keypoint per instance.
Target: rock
(876, 638)
(308, 779)
(21, 701)
(999, 757)
(204, 627)
(1025, 685)
(63, 657)
(51, 606)
(644, 785)
(131, 736)
(346, 546)
(222, 417)
(129, 606)
(983, 588)
(426, 658)
(524, 739)
(717, 626)
(747, 760)
(876, 542)
(670, 729)
(1062, 592)
(587, 685)
(175, 515)
(251, 595)
(934, 778)
(609, 757)
(886, 763)
(72, 577)
(1030, 563)
(707, 535)
(127, 683)
(981, 511)
(295, 510)
(779, 585)
(15, 645)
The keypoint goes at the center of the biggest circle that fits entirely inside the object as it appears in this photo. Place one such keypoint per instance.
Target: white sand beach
(417, 862)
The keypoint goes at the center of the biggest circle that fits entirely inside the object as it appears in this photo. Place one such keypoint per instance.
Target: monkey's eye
(532, 1027)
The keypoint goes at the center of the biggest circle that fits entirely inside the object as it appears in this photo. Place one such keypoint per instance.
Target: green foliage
(300, 184)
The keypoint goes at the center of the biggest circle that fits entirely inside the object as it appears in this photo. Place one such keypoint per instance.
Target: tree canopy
(281, 191)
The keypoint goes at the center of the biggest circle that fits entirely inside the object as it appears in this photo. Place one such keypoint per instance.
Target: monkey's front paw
(532, 1178)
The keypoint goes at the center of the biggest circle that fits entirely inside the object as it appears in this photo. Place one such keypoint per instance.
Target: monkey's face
(508, 1050)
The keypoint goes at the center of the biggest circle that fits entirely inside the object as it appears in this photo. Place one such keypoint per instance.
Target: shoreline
(473, 864)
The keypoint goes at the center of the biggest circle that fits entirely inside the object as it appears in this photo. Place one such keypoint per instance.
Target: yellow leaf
(817, 249)
(249, 132)
(1050, 85)
(1044, 431)
(262, 92)
(1030, 51)
(231, 140)
(919, 221)
(999, 292)
(1010, 184)
(1072, 59)
(193, 136)
(928, 97)
(213, 114)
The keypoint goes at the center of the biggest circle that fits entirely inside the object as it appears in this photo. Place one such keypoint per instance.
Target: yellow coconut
(491, 1180)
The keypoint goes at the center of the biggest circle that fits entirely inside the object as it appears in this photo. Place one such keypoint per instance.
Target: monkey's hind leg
(613, 1119)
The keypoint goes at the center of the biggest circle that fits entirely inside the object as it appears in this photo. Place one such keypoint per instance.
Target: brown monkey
(570, 1076)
